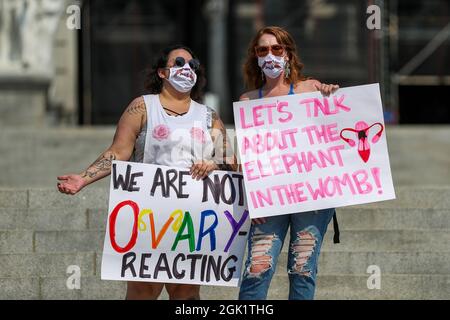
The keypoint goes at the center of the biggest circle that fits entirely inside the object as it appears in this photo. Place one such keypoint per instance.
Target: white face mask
(271, 65)
(183, 79)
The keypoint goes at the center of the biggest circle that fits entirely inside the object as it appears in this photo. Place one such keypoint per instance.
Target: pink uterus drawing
(361, 132)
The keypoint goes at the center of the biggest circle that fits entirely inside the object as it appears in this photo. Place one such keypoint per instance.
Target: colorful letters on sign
(163, 226)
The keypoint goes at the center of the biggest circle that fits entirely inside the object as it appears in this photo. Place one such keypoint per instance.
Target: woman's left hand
(326, 89)
(201, 169)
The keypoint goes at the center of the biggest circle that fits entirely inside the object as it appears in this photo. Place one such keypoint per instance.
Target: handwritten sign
(163, 226)
(309, 152)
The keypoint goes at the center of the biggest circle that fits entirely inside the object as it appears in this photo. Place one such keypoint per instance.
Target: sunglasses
(194, 63)
(276, 49)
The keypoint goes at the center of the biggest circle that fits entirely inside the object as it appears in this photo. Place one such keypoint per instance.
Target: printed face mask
(183, 79)
(271, 65)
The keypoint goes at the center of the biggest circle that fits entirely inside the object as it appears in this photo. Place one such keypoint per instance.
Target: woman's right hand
(71, 184)
(259, 220)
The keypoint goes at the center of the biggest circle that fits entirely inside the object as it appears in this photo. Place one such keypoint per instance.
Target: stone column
(27, 29)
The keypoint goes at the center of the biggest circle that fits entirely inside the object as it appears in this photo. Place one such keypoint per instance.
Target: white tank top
(176, 141)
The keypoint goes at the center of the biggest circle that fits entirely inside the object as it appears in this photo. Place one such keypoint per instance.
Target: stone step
(14, 198)
(393, 287)
(55, 265)
(331, 262)
(415, 198)
(20, 288)
(351, 219)
(44, 219)
(354, 287)
(19, 241)
(79, 219)
(94, 197)
(413, 262)
(46, 265)
(388, 240)
(392, 219)
(51, 198)
(351, 241)
(68, 241)
(61, 150)
(329, 287)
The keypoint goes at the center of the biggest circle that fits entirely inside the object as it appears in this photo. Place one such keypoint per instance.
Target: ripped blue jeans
(307, 230)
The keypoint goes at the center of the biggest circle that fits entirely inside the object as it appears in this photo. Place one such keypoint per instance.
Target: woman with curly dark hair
(166, 127)
(273, 68)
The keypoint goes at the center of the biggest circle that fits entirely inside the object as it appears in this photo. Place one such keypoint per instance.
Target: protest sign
(308, 152)
(164, 226)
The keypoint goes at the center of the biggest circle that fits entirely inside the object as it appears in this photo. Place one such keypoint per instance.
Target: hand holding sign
(201, 169)
(164, 226)
(297, 154)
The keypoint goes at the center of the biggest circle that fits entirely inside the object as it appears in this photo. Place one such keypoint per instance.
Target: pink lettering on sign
(266, 114)
(286, 194)
(322, 134)
(344, 181)
(360, 178)
(268, 141)
(376, 178)
(259, 198)
(316, 107)
(361, 182)
(294, 163)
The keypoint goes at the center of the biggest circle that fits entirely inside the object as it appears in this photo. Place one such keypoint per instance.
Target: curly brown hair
(251, 70)
(153, 83)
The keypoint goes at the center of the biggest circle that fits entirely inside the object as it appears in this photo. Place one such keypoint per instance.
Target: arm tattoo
(137, 107)
(102, 164)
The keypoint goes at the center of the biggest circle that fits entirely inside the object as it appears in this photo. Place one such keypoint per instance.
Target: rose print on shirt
(161, 132)
(198, 134)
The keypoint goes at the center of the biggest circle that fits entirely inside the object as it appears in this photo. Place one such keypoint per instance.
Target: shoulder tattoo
(136, 107)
